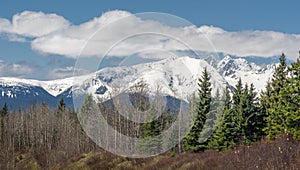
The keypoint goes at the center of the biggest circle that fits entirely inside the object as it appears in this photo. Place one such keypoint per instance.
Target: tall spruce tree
(86, 109)
(292, 100)
(264, 104)
(275, 105)
(213, 119)
(3, 114)
(237, 113)
(245, 107)
(61, 107)
(222, 139)
(192, 140)
(4, 110)
(151, 141)
(252, 119)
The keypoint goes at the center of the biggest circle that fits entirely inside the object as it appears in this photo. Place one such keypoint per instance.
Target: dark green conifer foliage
(151, 141)
(237, 113)
(264, 105)
(4, 110)
(275, 116)
(222, 139)
(291, 93)
(87, 109)
(192, 140)
(252, 119)
(61, 106)
(4, 113)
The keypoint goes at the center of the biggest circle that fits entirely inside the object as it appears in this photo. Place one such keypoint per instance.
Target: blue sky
(231, 16)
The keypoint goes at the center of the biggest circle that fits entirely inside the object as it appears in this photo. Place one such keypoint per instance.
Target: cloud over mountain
(53, 34)
(65, 72)
(14, 70)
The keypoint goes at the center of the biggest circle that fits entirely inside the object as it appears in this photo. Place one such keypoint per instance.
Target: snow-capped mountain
(54, 87)
(249, 72)
(21, 93)
(173, 77)
(176, 77)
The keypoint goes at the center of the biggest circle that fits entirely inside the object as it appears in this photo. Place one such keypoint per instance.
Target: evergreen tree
(292, 100)
(61, 106)
(151, 141)
(213, 118)
(251, 117)
(192, 140)
(173, 139)
(86, 109)
(246, 107)
(279, 77)
(236, 114)
(238, 92)
(4, 110)
(275, 104)
(4, 113)
(264, 105)
(222, 139)
(166, 119)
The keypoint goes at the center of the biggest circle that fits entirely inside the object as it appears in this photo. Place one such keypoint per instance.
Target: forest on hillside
(244, 130)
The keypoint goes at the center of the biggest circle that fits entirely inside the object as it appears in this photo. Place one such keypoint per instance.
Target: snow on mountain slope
(54, 87)
(233, 69)
(177, 77)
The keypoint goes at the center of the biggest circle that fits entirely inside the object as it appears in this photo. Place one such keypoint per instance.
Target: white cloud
(242, 43)
(55, 35)
(255, 43)
(65, 72)
(15, 38)
(14, 70)
(69, 42)
(136, 33)
(33, 24)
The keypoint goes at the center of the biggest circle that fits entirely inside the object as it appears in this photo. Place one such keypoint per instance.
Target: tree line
(49, 136)
(243, 116)
(220, 121)
(246, 118)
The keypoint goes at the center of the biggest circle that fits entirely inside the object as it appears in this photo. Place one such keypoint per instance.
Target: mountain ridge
(175, 77)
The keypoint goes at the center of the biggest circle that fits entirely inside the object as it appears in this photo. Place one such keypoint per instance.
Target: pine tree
(292, 100)
(265, 104)
(192, 140)
(61, 106)
(213, 118)
(151, 141)
(86, 109)
(222, 139)
(279, 77)
(237, 113)
(275, 104)
(173, 138)
(252, 119)
(245, 111)
(4, 113)
(4, 110)
(238, 92)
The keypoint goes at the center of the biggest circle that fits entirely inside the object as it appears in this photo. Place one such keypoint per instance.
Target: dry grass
(282, 153)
